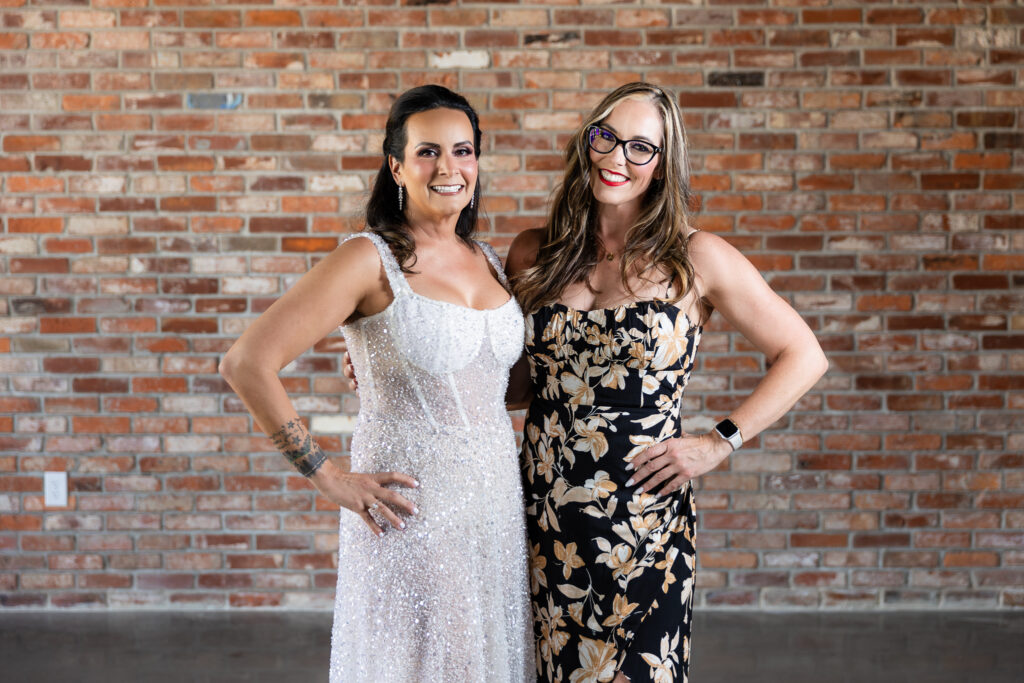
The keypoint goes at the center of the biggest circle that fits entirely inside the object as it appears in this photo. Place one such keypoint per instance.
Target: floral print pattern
(611, 571)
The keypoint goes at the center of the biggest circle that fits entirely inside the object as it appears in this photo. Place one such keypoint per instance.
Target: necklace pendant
(611, 257)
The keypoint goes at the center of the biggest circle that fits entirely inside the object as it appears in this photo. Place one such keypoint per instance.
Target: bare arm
(518, 395)
(346, 282)
(739, 293)
(522, 254)
(736, 289)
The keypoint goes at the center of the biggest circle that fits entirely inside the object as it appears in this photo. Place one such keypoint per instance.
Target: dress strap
(494, 261)
(391, 268)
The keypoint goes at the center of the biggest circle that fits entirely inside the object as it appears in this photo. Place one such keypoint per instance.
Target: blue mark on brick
(214, 100)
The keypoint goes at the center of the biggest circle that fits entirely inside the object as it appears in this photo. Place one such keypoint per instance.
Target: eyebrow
(437, 146)
(639, 137)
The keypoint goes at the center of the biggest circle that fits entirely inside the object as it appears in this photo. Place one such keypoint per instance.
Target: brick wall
(169, 168)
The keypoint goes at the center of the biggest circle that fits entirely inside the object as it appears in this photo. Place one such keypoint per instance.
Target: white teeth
(613, 177)
(446, 189)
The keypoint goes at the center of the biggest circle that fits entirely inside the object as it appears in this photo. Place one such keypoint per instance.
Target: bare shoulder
(358, 246)
(358, 253)
(709, 252)
(522, 253)
(353, 266)
(715, 261)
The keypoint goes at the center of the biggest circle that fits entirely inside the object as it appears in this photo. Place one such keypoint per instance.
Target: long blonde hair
(569, 252)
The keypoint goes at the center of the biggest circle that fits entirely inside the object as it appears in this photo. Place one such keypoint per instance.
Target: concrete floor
(728, 647)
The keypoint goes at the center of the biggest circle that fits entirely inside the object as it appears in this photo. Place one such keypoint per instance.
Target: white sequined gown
(446, 599)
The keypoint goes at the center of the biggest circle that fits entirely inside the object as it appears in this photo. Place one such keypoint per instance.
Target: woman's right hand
(365, 493)
(348, 369)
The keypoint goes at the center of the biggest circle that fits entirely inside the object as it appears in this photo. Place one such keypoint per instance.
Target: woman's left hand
(675, 461)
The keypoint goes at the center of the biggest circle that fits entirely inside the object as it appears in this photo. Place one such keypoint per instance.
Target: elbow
(821, 364)
(808, 360)
(242, 366)
(229, 365)
(518, 404)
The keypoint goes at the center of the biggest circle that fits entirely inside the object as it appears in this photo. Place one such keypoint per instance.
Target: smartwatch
(728, 430)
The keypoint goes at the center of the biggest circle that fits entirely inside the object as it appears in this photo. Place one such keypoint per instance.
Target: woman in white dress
(432, 578)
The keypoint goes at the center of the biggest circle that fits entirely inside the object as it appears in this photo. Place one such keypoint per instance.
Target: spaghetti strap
(391, 268)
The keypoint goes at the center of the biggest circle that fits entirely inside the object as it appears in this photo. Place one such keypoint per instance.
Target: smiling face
(440, 167)
(613, 179)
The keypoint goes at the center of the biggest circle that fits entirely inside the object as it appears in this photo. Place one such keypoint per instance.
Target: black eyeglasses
(637, 152)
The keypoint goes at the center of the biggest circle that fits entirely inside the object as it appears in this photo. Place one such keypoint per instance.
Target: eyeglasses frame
(619, 142)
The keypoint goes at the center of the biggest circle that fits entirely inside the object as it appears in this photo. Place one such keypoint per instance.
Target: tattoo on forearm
(295, 443)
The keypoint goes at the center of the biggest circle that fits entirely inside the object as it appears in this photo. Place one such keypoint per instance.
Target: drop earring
(399, 197)
(472, 201)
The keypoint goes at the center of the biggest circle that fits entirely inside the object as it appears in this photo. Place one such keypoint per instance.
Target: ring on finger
(375, 505)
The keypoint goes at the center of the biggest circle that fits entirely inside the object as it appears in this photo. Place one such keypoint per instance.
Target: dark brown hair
(382, 213)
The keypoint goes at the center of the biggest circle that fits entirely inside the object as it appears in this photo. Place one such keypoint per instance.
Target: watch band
(728, 430)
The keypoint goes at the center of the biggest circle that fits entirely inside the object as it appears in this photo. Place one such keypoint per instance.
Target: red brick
(20, 522)
(71, 365)
(805, 540)
(194, 203)
(67, 325)
(60, 41)
(707, 99)
(31, 143)
(894, 16)
(846, 15)
(34, 184)
(90, 102)
(270, 18)
(872, 540)
(899, 247)
(211, 19)
(255, 599)
(101, 425)
(13, 41)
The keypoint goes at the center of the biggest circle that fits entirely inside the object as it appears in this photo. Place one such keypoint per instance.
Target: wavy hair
(569, 251)
(382, 213)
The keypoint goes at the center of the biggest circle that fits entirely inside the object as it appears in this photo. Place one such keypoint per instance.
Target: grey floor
(216, 647)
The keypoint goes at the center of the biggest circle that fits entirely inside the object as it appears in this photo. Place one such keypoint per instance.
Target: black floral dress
(611, 573)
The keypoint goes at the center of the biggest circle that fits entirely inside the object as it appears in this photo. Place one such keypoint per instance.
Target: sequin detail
(446, 599)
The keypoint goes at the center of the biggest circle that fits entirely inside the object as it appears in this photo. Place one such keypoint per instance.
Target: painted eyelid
(432, 150)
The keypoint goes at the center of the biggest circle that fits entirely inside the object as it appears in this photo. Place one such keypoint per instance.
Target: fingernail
(415, 483)
(640, 490)
(629, 466)
(629, 483)
(380, 534)
(415, 511)
(401, 525)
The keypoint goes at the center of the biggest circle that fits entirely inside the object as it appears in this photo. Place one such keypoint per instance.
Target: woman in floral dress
(616, 288)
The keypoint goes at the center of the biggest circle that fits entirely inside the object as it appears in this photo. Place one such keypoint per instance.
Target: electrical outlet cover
(55, 489)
